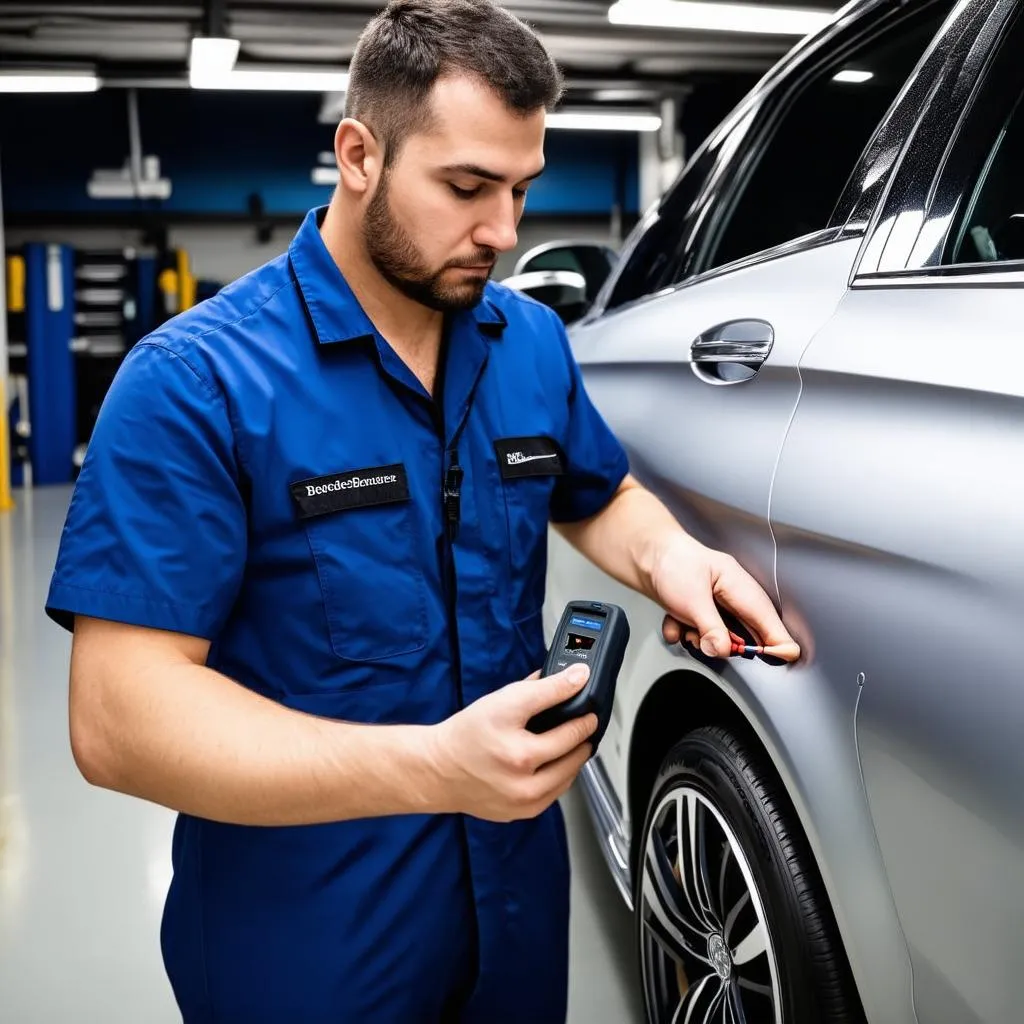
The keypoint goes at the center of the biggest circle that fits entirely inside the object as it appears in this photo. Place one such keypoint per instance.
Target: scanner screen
(576, 642)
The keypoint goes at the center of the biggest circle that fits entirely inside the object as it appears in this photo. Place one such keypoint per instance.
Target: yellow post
(186, 282)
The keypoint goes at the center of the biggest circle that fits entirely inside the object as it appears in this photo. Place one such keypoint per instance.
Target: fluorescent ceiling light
(48, 81)
(212, 65)
(211, 56)
(605, 122)
(273, 80)
(854, 76)
(622, 95)
(761, 19)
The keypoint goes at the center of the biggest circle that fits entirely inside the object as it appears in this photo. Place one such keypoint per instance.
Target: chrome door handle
(733, 352)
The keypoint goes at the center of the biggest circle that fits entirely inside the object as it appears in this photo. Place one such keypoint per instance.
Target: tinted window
(649, 266)
(823, 131)
(802, 170)
(992, 231)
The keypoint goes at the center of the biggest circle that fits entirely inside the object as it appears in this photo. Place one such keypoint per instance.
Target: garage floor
(83, 872)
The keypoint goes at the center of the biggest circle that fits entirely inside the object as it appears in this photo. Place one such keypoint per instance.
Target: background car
(812, 350)
(591, 259)
(565, 275)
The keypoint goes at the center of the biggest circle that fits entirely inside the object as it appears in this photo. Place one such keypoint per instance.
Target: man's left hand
(691, 581)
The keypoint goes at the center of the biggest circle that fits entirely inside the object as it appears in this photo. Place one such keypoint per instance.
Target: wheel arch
(681, 701)
(675, 705)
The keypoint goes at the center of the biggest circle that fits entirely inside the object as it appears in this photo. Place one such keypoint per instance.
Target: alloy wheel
(706, 950)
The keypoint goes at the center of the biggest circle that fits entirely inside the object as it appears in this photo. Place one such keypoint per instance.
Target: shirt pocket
(367, 560)
(529, 468)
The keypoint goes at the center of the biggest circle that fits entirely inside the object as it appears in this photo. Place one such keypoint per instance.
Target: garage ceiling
(146, 42)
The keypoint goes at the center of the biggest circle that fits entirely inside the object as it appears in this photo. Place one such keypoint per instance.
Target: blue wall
(219, 148)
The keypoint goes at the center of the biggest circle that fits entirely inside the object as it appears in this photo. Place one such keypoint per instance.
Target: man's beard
(401, 263)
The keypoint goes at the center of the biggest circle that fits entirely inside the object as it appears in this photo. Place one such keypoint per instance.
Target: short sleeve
(155, 534)
(596, 462)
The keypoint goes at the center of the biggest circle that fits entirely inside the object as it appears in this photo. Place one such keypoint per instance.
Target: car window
(800, 175)
(814, 148)
(992, 228)
(648, 266)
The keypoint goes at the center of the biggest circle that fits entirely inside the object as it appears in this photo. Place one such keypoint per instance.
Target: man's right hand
(492, 767)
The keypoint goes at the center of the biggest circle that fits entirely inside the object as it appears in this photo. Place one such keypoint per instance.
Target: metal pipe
(134, 141)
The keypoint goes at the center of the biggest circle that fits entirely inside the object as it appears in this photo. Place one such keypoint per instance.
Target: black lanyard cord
(452, 488)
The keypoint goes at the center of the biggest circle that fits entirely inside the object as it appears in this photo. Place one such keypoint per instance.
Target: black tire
(756, 881)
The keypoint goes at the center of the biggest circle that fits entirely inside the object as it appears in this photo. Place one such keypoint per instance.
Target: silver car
(813, 351)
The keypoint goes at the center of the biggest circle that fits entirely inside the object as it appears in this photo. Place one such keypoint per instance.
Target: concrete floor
(83, 872)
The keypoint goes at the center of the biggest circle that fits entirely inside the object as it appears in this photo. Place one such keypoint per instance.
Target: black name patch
(353, 489)
(529, 456)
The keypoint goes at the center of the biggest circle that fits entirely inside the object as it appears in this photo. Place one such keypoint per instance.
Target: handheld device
(596, 635)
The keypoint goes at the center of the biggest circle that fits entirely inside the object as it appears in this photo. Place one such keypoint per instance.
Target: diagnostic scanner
(593, 634)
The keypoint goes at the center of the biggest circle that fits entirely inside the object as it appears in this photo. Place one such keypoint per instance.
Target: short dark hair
(406, 48)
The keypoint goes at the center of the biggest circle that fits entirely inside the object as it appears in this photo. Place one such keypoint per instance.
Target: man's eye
(463, 193)
(519, 193)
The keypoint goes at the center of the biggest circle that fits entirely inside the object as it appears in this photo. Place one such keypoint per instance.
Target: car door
(694, 357)
(897, 511)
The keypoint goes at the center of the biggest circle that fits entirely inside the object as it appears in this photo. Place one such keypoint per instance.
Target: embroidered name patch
(355, 489)
(529, 456)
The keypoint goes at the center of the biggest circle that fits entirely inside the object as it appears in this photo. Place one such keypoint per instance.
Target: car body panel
(897, 510)
(644, 384)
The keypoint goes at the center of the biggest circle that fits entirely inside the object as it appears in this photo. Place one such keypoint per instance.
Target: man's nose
(499, 230)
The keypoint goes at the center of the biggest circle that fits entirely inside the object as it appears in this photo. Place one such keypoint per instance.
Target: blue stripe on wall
(219, 148)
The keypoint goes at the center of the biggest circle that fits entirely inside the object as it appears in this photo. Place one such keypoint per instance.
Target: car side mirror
(564, 291)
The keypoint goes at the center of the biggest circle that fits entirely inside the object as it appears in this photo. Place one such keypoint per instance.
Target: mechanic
(304, 565)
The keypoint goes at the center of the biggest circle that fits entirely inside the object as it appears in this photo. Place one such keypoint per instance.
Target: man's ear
(359, 155)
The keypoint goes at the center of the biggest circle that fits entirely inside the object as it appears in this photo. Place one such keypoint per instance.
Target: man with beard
(304, 565)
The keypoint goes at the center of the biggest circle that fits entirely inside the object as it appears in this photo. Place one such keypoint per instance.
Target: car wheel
(733, 926)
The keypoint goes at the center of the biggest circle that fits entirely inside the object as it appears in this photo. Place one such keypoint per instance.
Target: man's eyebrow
(482, 172)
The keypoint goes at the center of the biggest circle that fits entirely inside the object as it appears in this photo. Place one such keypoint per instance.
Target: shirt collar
(332, 305)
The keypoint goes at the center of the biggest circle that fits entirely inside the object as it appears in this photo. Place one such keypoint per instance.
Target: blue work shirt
(267, 474)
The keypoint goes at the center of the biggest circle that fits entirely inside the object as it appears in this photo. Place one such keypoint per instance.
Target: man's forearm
(186, 737)
(627, 536)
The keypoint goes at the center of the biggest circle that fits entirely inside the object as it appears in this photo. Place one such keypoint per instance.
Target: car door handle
(732, 352)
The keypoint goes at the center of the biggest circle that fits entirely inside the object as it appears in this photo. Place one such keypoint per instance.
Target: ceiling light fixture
(623, 95)
(212, 65)
(298, 81)
(760, 19)
(605, 122)
(273, 80)
(48, 81)
(211, 60)
(856, 77)
(210, 55)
